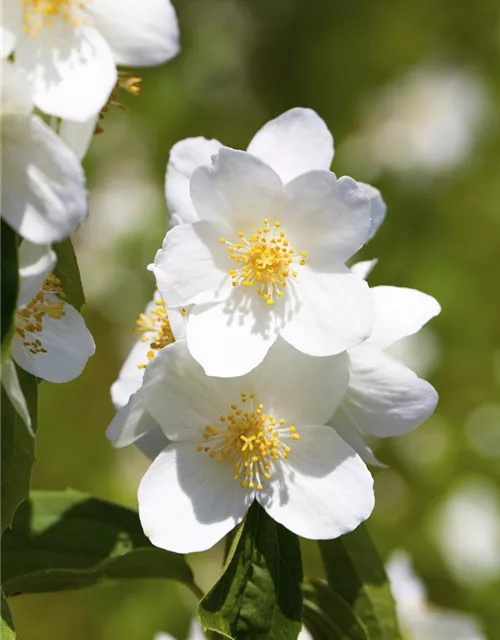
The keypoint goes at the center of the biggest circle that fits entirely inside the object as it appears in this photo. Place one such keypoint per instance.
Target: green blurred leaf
(10, 284)
(355, 572)
(6, 624)
(68, 540)
(69, 274)
(259, 594)
(18, 448)
(328, 616)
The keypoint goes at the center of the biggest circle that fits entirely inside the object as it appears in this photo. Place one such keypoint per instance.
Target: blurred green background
(411, 93)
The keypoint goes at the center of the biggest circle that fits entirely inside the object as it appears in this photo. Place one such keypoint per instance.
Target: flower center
(265, 259)
(157, 325)
(29, 318)
(251, 441)
(41, 13)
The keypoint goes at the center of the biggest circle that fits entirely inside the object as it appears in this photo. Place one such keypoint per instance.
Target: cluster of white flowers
(58, 60)
(262, 357)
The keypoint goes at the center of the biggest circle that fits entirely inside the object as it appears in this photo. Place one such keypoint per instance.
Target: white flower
(418, 619)
(133, 424)
(51, 340)
(384, 397)
(265, 253)
(68, 50)
(43, 195)
(426, 121)
(258, 437)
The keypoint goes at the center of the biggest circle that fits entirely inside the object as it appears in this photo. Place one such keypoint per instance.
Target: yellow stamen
(39, 14)
(248, 441)
(156, 329)
(263, 260)
(30, 317)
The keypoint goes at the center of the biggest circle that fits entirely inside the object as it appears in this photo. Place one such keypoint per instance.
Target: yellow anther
(155, 328)
(39, 14)
(30, 317)
(262, 260)
(249, 441)
(222, 240)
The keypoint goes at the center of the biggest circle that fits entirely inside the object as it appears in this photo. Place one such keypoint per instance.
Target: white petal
(378, 208)
(441, 625)
(364, 268)
(36, 262)
(407, 588)
(11, 27)
(238, 191)
(347, 430)
(138, 36)
(293, 143)
(188, 502)
(12, 386)
(152, 443)
(181, 398)
(193, 266)
(69, 345)
(304, 634)
(328, 218)
(298, 387)
(71, 71)
(130, 376)
(16, 99)
(195, 631)
(185, 157)
(231, 338)
(326, 489)
(130, 423)
(78, 135)
(399, 312)
(385, 398)
(44, 196)
(178, 321)
(332, 312)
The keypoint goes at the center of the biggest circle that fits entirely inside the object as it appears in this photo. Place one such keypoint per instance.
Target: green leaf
(18, 448)
(328, 616)
(6, 624)
(69, 274)
(259, 594)
(68, 540)
(10, 285)
(355, 572)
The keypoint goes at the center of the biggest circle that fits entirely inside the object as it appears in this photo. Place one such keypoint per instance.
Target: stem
(196, 591)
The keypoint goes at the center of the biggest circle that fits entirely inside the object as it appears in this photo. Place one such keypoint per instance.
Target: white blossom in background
(419, 619)
(43, 186)
(68, 51)
(466, 529)
(385, 398)
(258, 437)
(426, 121)
(262, 246)
(51, 340)
(159, 328)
